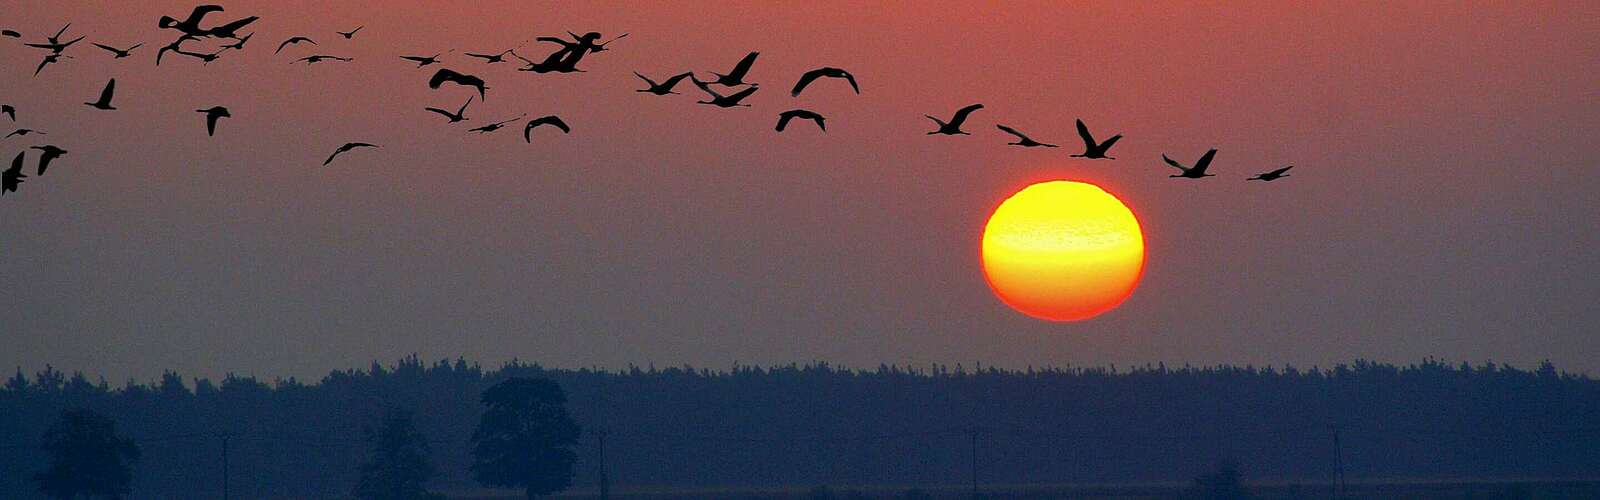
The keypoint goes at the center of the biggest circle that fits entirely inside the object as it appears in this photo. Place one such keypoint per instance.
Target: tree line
(356, 430)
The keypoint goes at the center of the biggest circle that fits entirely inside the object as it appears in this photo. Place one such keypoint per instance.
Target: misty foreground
(678, 429)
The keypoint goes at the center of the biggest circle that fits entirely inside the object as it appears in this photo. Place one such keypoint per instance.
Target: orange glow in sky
(1063, 251)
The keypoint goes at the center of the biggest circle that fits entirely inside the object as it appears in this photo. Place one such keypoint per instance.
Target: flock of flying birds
(564, 59)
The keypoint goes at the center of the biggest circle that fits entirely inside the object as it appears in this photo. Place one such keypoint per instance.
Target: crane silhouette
(663, 88)
(213, 114)
(1195, 172)
(1091, 149)
(459, 115)
(1022, 140)
(104, 104)
(736, 77)
(784, 117)
(954, 126)
(346, 148)
(724, 101)
(824, 72)
(117, 53)
(552, 120)
(1273, 175)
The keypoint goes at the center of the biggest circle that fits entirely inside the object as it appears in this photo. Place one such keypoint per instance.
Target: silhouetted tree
(1224, 484)
(525, 437)
(398, 467)
(87, 457)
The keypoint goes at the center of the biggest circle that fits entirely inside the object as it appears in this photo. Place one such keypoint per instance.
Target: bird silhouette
(1195, 172)
(345, 148)
(55, 48)
(7, 110)
(954, 127)
(663, 88)
(552, 120)
(10, 33)
(784, 117)
(723, 101)
(294, 40)
(12, 177)
(175, 46)
(1023, 140)
(239, 45)
(423, 61)
(490, 58)
(1091, 149)
(459, 115)
(119, 53)
(602, 46)
(313, 59)
(104, 104)
(212, 115)
(23, 132)
(231, 30)
(204, 58)
(736, 77)
(495, 126)
(557, 62)
(350, 34)
(828, 72)
(54, 43)
(447, 75)
(566, 59)
(190, 25)
(1273, 175)
(47, 153)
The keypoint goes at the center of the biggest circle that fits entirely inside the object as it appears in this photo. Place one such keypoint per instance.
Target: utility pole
(973, 433)
(1338, 465)
(224, 467)
(605, 484)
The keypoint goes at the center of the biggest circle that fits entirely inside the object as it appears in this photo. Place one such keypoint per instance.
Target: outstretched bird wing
(744, 93)
(50, 153)
(446, 114)
(1175, 164)
(1088, 138)
(1205, 161)
(707, 88)
(234, 26)
(673, 81)
(211, 123)
(12, 176)
(1280, 172)
(294, 40)
(110, 49)
(1012, 131)
(527, 131)
(647, 80)
(961, 114)
(739, 70)
(805, 80)
(444, 75)
(852, 79)
(199, 13)
(105, 95)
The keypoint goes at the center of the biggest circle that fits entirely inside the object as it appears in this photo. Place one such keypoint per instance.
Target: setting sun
(1063, 251)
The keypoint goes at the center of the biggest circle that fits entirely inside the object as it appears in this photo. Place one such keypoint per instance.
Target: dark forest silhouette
(818, 424)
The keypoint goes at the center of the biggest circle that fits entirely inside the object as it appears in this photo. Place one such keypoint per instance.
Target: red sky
(1442, 205)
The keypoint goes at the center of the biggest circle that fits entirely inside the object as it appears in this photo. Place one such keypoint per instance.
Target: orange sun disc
(1063, 251)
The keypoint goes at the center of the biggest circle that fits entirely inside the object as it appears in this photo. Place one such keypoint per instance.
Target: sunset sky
(1444, 201)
